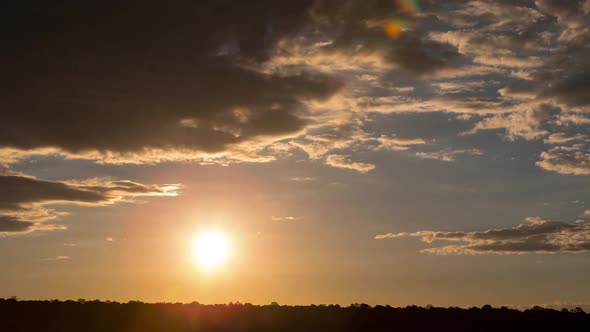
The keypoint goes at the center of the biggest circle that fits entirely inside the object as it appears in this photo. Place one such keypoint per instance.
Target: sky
(382, 152)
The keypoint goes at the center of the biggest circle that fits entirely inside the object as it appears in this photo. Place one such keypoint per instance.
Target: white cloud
(398, 144)
(57, 258)
(344, 161)
(284, 218)
(448, 155)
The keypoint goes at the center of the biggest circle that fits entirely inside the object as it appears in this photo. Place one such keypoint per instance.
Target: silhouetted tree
(136, 316)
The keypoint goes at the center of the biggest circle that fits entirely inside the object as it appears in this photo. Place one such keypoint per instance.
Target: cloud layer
(196, 81)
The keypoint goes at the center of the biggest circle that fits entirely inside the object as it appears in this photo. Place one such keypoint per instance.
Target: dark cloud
(17, 190)
(11, 224)
(420, 56)
(571, 90)
(126, 77)
(356, 28)
(23, 198)
(573, 12)
(536, 236)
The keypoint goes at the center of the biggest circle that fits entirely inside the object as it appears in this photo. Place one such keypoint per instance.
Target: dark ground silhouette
(81, 315)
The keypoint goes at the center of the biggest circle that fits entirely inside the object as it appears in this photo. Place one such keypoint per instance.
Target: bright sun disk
(210, 249)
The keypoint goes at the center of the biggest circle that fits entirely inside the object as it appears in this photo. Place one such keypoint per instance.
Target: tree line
(107, 316)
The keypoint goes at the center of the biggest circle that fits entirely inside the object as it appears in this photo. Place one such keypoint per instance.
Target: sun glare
(210, 249)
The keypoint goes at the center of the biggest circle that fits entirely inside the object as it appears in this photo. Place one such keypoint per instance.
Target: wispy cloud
(559, 138)
(398, 144)
(23, 198)
(57, 258)
(302, 179)
(344, 161)
(285, 218)
(535, 236)
(448, 155)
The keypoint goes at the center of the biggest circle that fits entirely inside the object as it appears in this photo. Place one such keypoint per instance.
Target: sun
(210, 249)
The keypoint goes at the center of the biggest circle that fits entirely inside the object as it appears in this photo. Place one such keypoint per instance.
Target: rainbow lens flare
(393, 29)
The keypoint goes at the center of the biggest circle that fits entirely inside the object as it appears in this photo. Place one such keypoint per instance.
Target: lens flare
(406, 9)
(393, 29)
